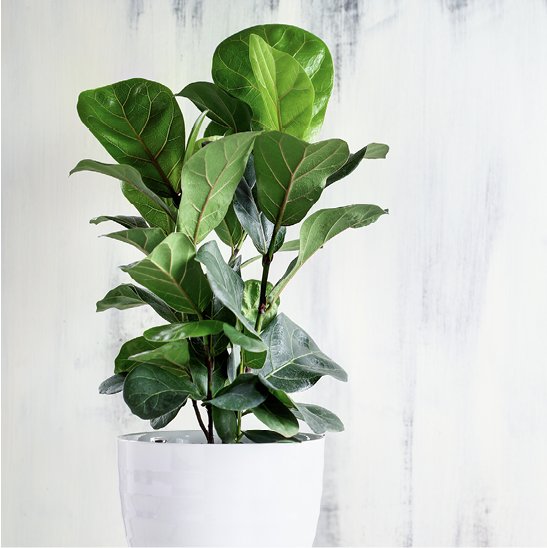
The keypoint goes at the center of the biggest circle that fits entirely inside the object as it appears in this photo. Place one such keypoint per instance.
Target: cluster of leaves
(255, 171)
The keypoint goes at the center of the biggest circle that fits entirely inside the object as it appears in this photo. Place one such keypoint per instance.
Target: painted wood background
(438, 311)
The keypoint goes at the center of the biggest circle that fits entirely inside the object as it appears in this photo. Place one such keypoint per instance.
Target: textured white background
(438, 311)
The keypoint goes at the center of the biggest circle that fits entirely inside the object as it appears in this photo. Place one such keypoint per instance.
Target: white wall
(438, 312)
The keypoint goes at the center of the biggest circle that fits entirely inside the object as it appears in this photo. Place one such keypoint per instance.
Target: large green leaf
(230, 230)
(144, 239)
(128, 175)
(244, 393)
(250, 344)
(294, 361)
(372, 151)
(140, 124)
(172, 274)
(184, 330)
(129, 296)
(225, 424)
(209, 180)
(151, 391)
(276, 416)
(319, 228)
(227, 111)
(319, 419)
(173, 357)
(225, 283)
(124, 361)
(291, 174)
(286, 90)
(233, 72)
(124, 220)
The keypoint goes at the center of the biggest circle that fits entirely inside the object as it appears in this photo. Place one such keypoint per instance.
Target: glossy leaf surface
(276, 417)
(294, 361)
(225, 424)
(226, 111)
(230, 230)
(144, 239)
(172, 274)
(209, 180)
(291, 174)
(319, 419)
(164, 420)
(320, 227)
(244, 393)
(124, 220)
(140, 124)
(245, 342)
(286, 90)
(184, 330)
(173, 357)
(151, 391)
(124, 361)
(233, 72)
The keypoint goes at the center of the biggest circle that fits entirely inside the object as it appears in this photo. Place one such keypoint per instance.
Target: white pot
(188, 493)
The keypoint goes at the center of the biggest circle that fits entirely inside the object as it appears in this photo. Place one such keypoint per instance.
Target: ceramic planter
(187, 493)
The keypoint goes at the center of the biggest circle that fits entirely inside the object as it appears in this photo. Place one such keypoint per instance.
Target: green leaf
(230, 230)
(233, 363)
(129, 296)
(244, 393)
(276, 416)
(184, 330)
(140, 124)
(291, 174)
(215, 130)
(225, 283)
(173, 356)
(199, 372)
(286, 90)
(151, 391)
(319, 419)
(251, 300)
(193, 137)
(319, 228)
(251, 344)
(253, 360)
(267, 436)
(293, 245)
(113, 384)
(164, 420)
(225, 424)
(374, 150)
(209, 180)
(172, 274)
(154, 214)
(294, 361)
(233, 72)
(127, 222)
(225, 110)
(124, 361)
(128, 175)
(144, 239)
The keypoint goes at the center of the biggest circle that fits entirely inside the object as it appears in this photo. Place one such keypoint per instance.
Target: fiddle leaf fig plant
(256, 168)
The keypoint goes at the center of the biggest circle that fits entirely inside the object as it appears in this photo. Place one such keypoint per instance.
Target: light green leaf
(125, 221)
(184, 330)
(192, 138)
(140, 124)
(251, 301)
(225, 283)
(294, 362)
(151, 391)
(247, 343)
(293, 245)
(230, 230)
(225, 110)
(172, 274)
(319, 419)
(124, 361)
(319, 228)
(144, 239)
(291, 174)
(286, 90)
(233, 72)
(244, 393)
(209, 180)
(174, 356)
(276, 416)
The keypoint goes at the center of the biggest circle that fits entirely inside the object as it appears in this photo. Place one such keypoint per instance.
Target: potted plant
(226, 350)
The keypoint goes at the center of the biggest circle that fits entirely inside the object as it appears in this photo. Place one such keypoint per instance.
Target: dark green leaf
(227, 111)
(173, 356)
(267, 436)
(215, 130)
(140, 124)
(151, 391)
(374, 150)
(253, 360)
(230, 230)
(294, 361)
(124, 362)
(225, 283)
(172, 274)
(319, 228)
(225, 424)
(233, 72)
(286, 90)
(184, 330)
(276, 416)
(291, 174)
(127, 222)
(233, 363)
(319, 419)
(209, 180)
(164, 420)
(129, 296)
(244, 393)
(144, 239)
(113, 384)
(252, 344)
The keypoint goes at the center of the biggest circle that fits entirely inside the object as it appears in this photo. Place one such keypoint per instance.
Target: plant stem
(210, 368)
(198, 415)
(266, 262)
